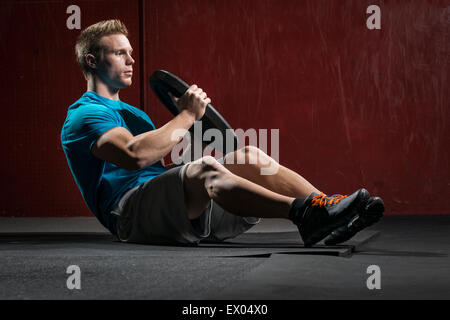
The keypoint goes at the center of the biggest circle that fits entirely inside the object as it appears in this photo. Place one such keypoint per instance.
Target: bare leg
(247, 163)
(206, 179)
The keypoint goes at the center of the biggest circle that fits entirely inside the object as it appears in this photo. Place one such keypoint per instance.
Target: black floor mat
(245, 245)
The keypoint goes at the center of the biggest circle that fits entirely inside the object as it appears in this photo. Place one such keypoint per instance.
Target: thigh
(156, 213)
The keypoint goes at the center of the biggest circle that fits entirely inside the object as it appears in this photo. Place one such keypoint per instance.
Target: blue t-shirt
(102, 183)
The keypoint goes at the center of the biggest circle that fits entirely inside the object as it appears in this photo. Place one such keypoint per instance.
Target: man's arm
(120, 147)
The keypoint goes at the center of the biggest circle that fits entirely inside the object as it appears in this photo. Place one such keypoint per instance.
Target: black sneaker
(372, 213)
(319, 214)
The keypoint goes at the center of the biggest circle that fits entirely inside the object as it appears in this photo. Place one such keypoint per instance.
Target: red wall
(354, 107)
(40, 80)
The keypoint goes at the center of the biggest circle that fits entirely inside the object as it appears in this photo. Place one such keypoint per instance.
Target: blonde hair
(89, 41)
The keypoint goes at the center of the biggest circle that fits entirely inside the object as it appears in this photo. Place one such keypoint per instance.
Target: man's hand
(194, 100)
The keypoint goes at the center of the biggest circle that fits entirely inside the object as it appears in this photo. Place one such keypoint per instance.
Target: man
(115, 154)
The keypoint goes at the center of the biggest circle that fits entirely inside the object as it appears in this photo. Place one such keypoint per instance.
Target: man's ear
(91, 61)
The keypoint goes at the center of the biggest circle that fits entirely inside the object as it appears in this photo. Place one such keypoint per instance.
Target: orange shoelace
(322, 200)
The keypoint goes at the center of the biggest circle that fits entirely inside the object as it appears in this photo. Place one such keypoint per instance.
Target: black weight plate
(162, 82)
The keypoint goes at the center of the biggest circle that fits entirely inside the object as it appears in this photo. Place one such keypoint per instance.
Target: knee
(201, 167)
(250, 150)
(212, 175)
(253, 155)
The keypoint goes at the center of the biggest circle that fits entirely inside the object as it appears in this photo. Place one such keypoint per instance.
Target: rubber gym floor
(410, 255)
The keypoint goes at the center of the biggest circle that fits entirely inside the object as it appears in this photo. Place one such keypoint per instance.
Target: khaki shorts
(155, 213)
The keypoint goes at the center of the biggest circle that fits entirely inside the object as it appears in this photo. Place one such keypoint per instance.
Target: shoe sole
(374, 208)
(355, 208)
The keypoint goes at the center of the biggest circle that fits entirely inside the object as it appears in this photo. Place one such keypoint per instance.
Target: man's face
(116, 67)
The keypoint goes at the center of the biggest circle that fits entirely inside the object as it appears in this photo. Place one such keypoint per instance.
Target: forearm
(152, 146)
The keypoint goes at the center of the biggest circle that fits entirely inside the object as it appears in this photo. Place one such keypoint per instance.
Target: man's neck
(96, 85)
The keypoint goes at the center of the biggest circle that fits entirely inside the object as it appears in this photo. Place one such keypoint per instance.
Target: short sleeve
(88, 123)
